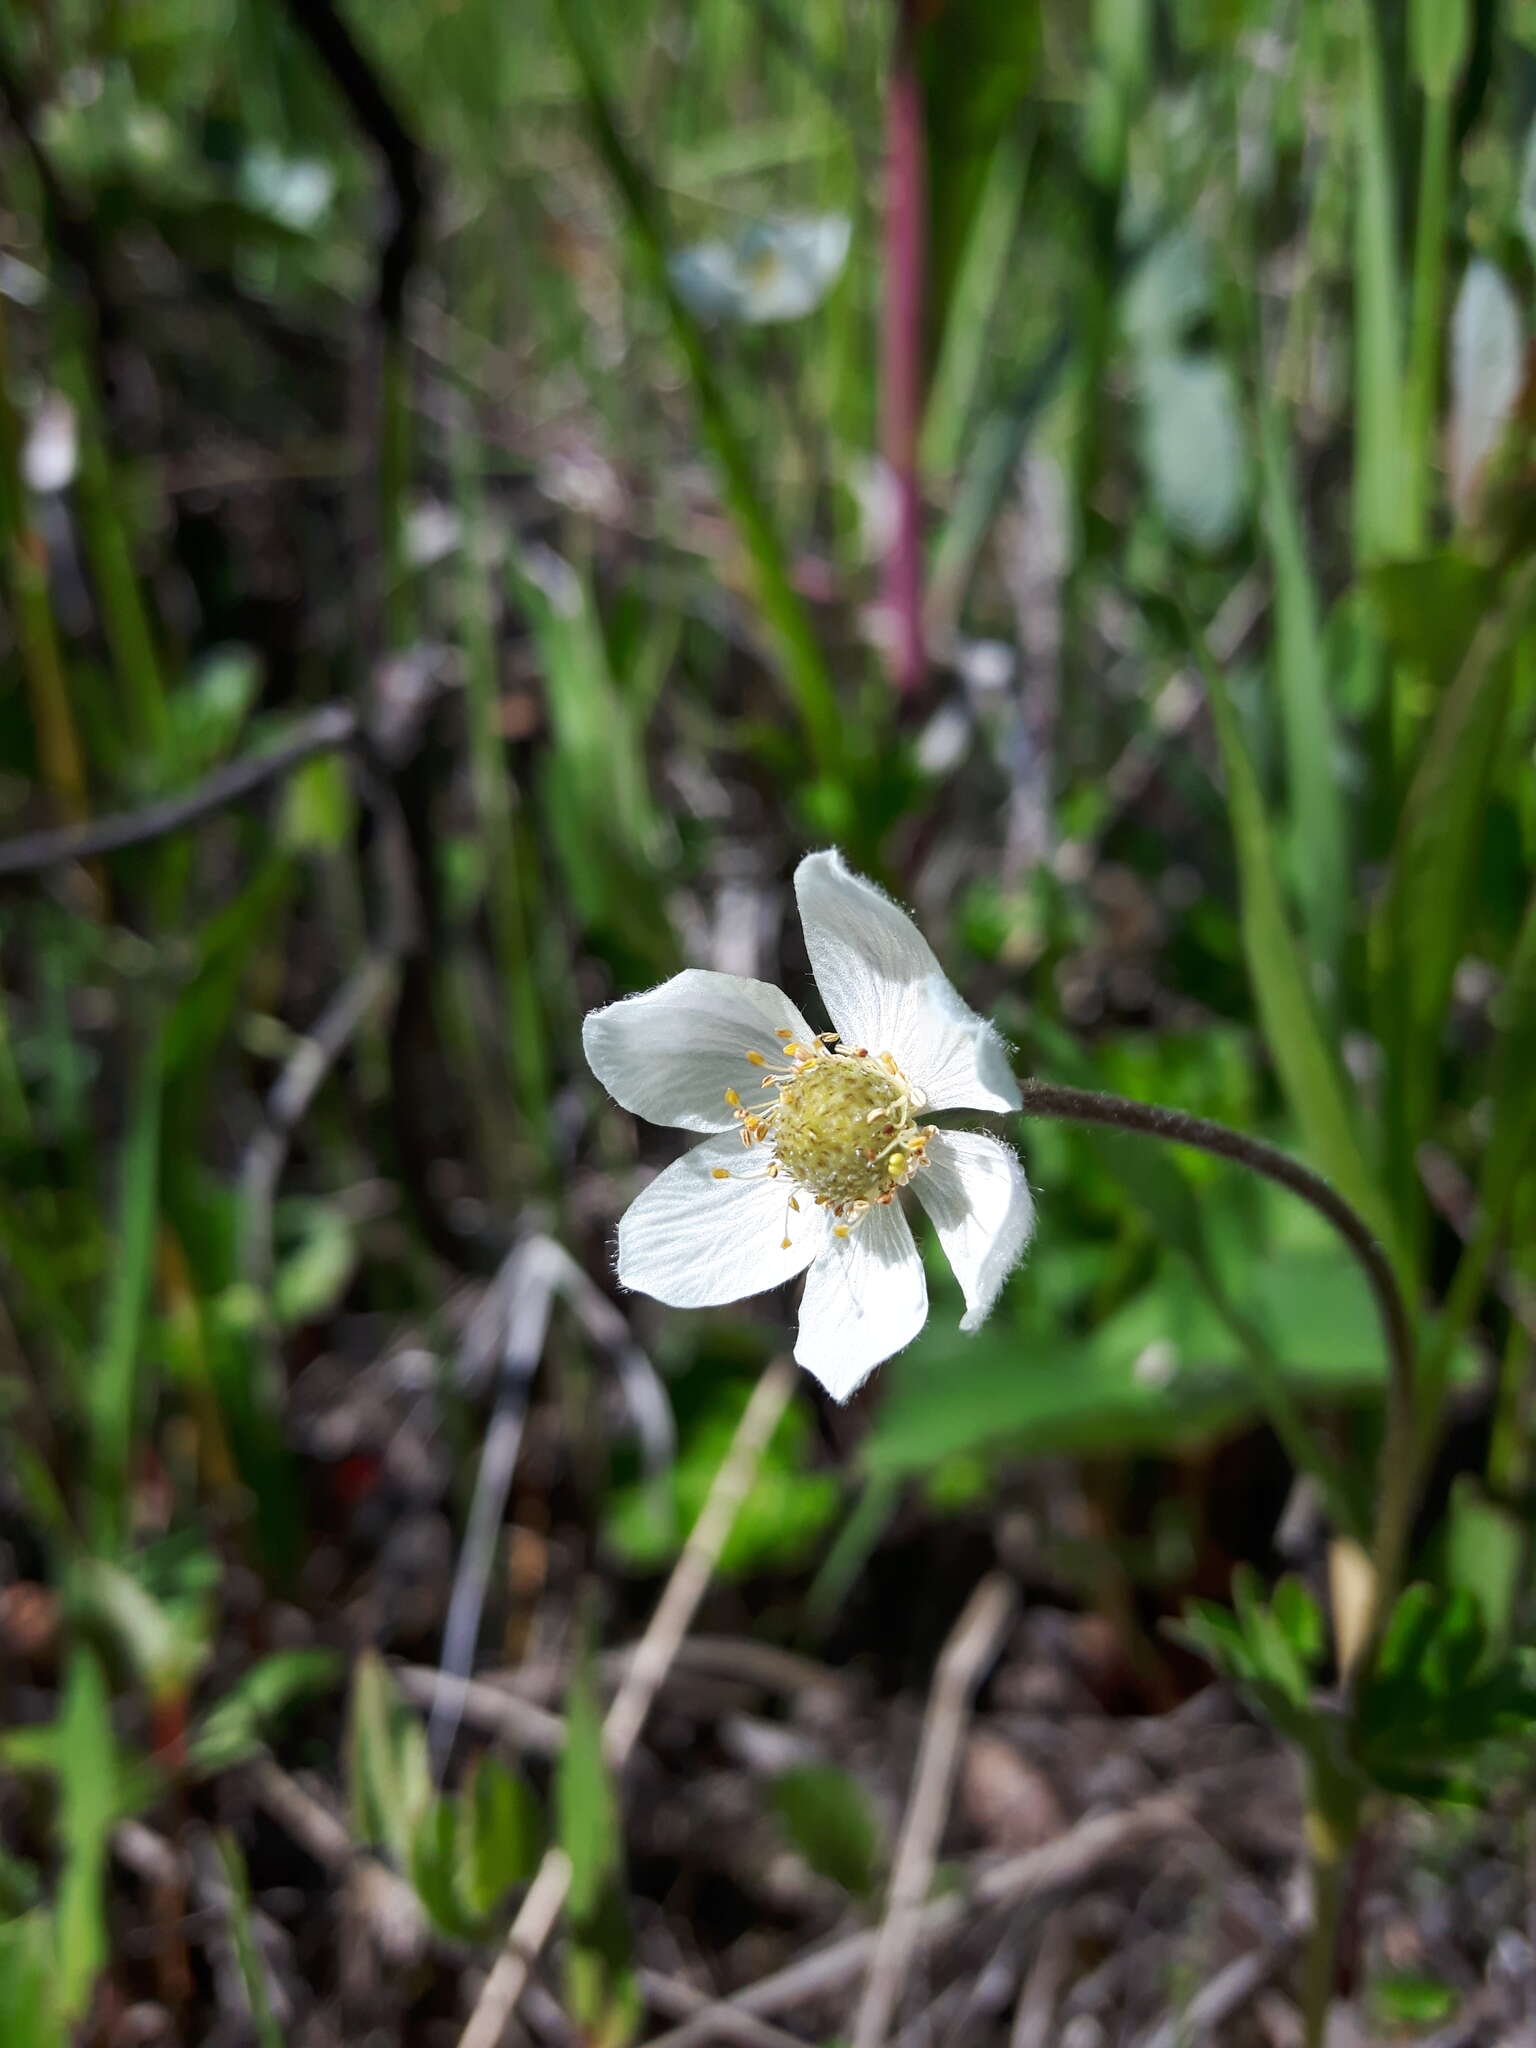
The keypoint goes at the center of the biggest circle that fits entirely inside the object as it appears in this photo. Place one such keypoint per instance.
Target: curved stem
(1178, 1127)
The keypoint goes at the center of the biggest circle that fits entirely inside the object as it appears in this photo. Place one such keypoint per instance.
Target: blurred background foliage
(446, 445)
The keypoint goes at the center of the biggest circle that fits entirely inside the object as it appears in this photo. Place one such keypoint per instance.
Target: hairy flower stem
(1178, 1127)
(1332, 1816)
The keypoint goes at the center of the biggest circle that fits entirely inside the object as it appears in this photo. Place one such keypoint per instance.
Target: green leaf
(433, 1869)
(30, 2014)
(317, 1261)
(388, 1770)
(115, 1383)
(1485, 1553)
(90, 1806)
(1317, 838)
(1422, 925)
(1440, 1695)
(253, 1972)
(587, 1823)
(828, 1818)
(1282, 983)
(500, 1836)
(784, 615)
(236, 1726)
(1439, 36)
(601, 1989)
(1165, 1370)
(978, 64)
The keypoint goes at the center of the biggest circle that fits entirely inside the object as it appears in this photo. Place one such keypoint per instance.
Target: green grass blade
(1380, 501)
(1423, 922)
(788, 623)
(1281, 973)
(115, 1381)
(1319, 838)
(89, 1800)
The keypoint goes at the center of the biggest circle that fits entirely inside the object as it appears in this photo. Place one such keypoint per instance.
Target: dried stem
(965, 1658)
(335, 726)
(1178, 1127)
(626, 1717)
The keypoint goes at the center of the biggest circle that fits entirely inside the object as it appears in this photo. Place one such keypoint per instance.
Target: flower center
(841, 1125)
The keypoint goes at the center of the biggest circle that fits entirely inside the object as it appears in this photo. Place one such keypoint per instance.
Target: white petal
(975, 1192)
(670, 1054)
(865, 1298)
(884, 989)
(693, 1241)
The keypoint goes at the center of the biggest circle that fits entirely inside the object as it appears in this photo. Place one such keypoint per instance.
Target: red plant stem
(902, 350)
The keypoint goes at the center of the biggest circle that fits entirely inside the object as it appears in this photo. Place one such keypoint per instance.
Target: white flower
(813, 1136)
(778, 269)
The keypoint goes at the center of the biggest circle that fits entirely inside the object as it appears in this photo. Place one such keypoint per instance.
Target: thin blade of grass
(784, 614)
(1422, 925)
(114, 1392)
(1381, 503)
(1319, 836)
(1282, 981)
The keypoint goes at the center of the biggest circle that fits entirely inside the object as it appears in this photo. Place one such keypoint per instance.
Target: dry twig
(1058, 1866)
(323, 732)
(966, 1656)
(690, 1578)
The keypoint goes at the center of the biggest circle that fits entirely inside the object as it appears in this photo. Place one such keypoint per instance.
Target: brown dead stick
(679, 1603)
(965, 1657)
(1056, 1867)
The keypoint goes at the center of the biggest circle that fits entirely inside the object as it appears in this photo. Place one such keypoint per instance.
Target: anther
(783, 1032)
(733, 1100)
(756, 1059)
(720, 1173)
(839, 1230)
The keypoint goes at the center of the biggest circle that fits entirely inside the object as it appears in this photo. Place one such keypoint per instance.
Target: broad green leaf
(433, 1868)
(1167, 1369)
(30, 2014)
(827, 1816)
(1486, 1545)
(500, 1836)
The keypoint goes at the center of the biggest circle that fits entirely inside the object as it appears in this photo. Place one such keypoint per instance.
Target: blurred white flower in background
(776, 269)
(813, 1137)
(51, 453)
